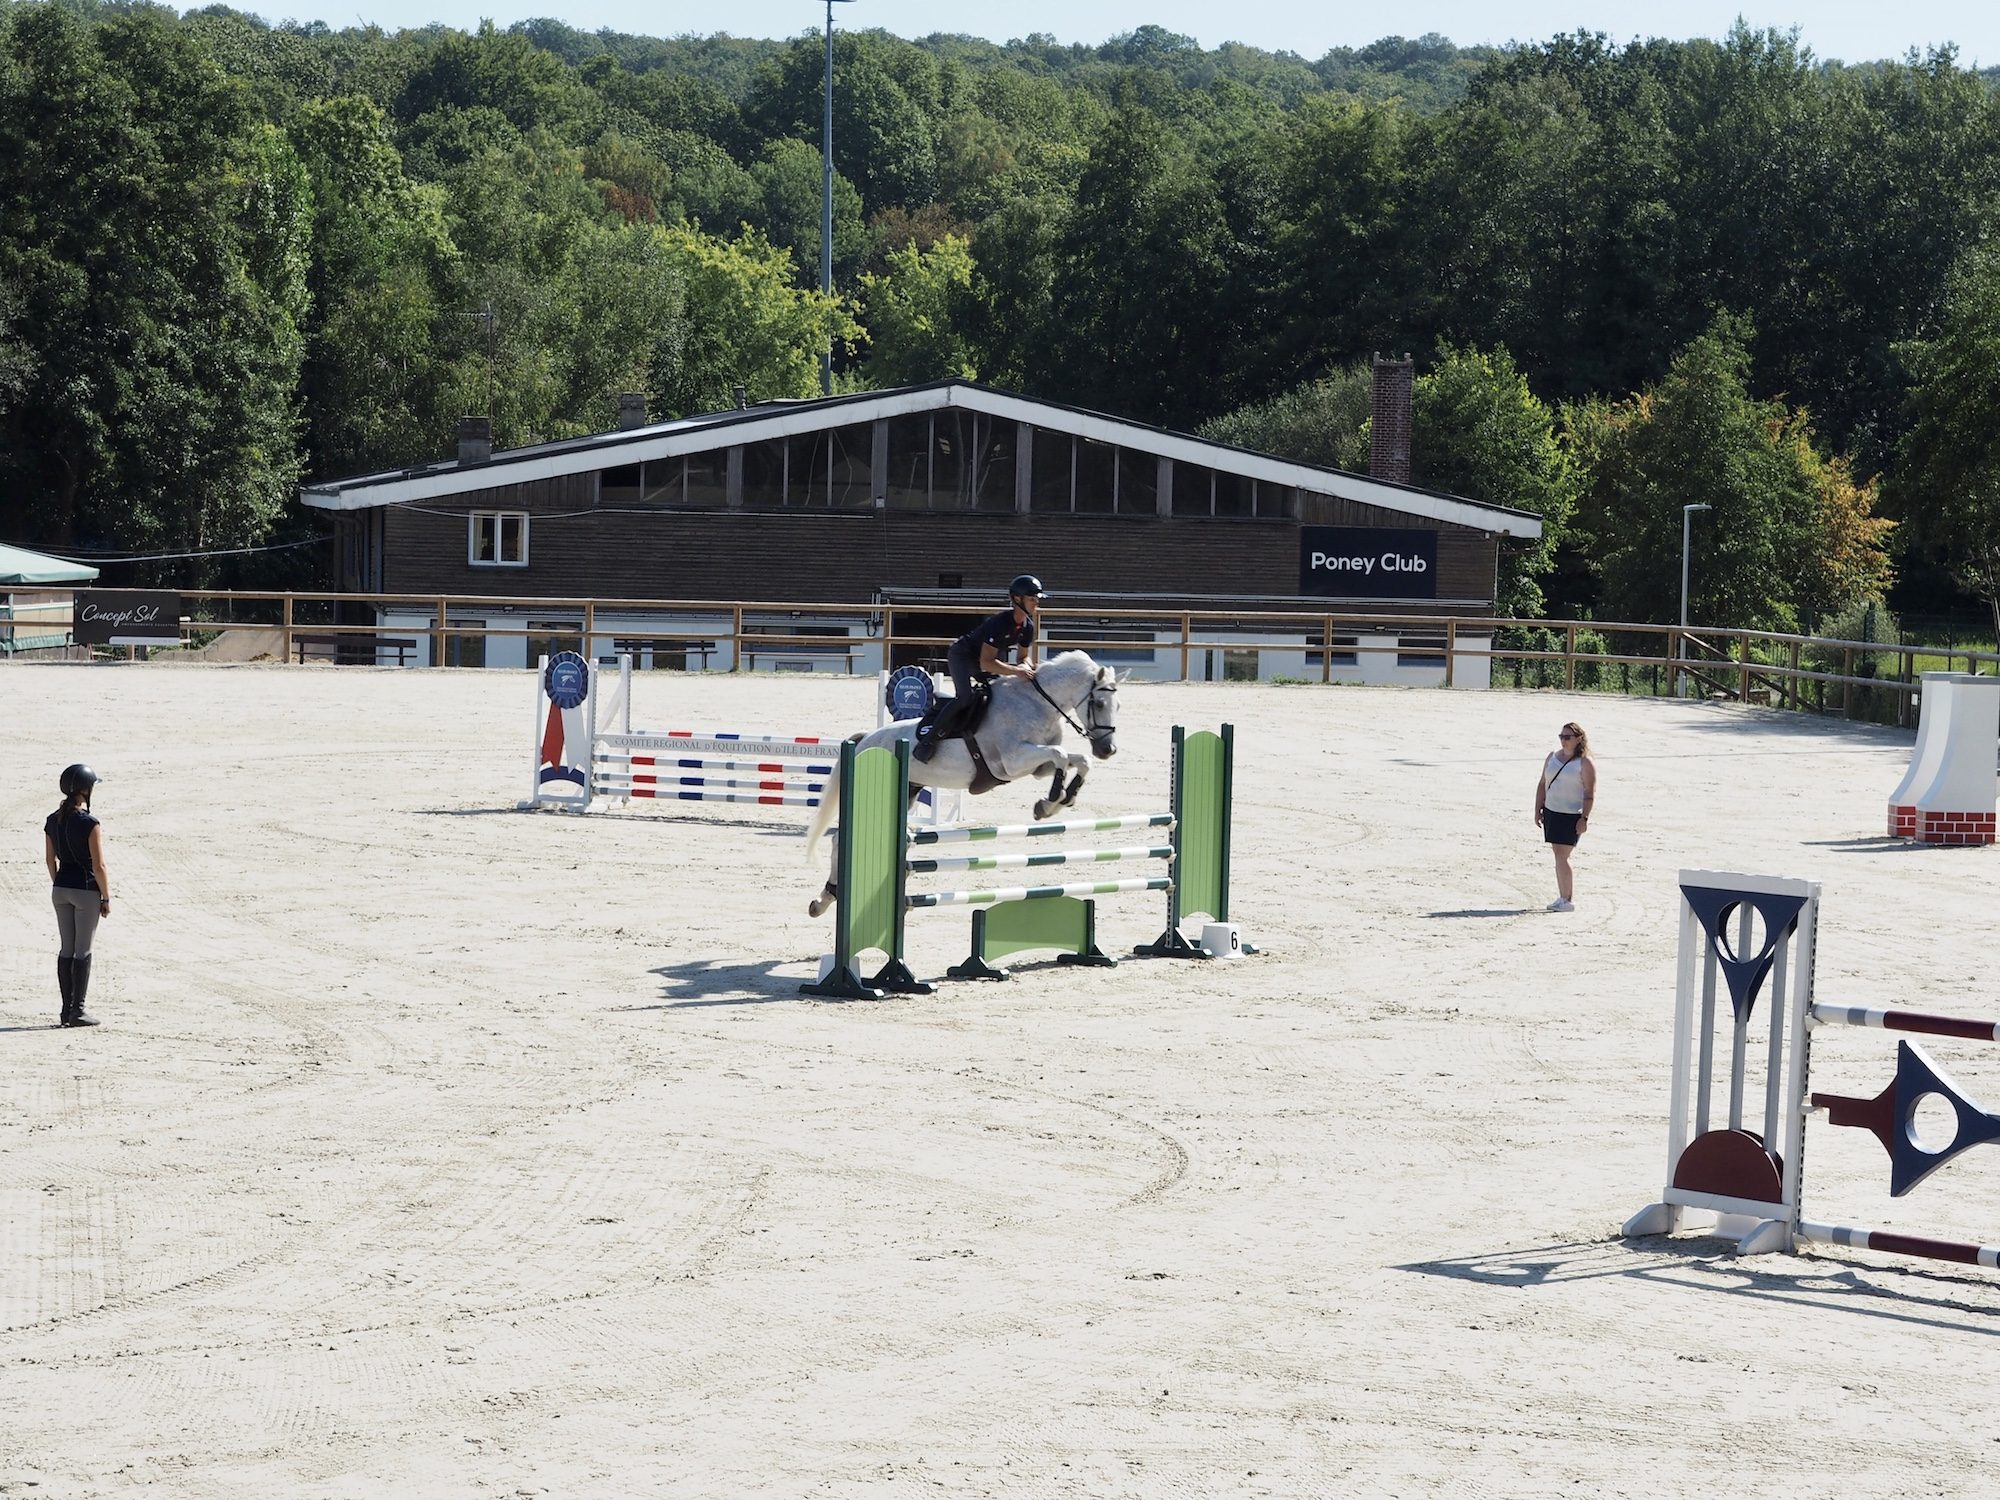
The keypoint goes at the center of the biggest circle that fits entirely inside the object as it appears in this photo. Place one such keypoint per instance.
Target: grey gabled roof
(699, 434)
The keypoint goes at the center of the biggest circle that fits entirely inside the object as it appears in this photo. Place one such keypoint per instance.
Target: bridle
(1090, 729)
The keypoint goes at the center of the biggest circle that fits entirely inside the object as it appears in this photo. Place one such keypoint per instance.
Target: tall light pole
(826, 199)
(1687, 532)
(1687, 524)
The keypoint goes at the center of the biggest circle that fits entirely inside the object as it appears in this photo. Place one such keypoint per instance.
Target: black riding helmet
(1026, 583)
(78, 778)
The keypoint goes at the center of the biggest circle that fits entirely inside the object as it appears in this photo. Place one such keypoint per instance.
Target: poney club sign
(127, 617)
(1367, 562)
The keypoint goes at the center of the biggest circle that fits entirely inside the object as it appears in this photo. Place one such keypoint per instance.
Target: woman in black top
(980, 655)
(73, 848)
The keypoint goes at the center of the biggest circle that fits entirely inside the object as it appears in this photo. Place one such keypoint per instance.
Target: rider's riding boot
(924, 746)
(67, 985)
(79, 969)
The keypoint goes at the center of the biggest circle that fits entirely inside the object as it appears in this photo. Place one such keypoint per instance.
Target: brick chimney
(1389, 419)
(631, 411)
(475, 439)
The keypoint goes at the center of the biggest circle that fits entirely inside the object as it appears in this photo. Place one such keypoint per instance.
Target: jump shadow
(34, 1026)
(765, 986)
(1914, 1294)
(1487, 911)
(1884, 844)
(748, 825)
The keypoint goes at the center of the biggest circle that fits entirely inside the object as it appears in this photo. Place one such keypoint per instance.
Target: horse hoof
(816, 906)
(1043, 809)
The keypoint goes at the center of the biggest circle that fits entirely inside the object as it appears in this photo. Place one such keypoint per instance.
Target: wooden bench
(403, 646)
(635, 646)
(798, 651)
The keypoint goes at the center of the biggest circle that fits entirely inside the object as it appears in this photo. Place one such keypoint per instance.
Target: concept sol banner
(127, 617)
(1368, 562)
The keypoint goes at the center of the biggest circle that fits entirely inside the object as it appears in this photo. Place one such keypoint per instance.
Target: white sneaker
(1561, 905)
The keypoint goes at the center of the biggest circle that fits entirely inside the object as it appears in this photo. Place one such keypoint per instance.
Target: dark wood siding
(576, 551)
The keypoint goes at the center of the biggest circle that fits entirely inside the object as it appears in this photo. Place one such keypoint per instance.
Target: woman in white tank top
(1563, 799)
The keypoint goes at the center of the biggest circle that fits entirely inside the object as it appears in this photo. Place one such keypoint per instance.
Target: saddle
(952, 718)
(957, 719)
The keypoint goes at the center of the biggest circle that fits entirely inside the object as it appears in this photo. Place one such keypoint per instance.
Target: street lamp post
(826, 199)
(1687, 533)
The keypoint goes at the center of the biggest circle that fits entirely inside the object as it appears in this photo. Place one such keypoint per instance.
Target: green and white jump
(873, 864)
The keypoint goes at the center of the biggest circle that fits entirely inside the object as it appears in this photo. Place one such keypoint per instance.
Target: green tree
(1947, 483)
(374, 390)
(915, 316)
(1780, 537)
(1322, 422)
(748, 324)
(788, 176)
(1140, 282)
(887, 104)
(1478, 431)
(154, 231)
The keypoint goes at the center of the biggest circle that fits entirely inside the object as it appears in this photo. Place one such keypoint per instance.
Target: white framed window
(497, 539)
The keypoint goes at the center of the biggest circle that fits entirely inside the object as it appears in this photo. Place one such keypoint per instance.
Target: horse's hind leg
(828, 893)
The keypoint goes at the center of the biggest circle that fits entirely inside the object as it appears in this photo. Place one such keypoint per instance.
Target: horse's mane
(1059, 669)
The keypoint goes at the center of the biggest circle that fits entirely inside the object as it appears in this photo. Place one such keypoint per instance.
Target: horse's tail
(825, 813)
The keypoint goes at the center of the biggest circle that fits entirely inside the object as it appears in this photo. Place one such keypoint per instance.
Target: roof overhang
(762, 423)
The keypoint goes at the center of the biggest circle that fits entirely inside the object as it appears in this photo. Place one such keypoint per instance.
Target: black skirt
(1559, 827)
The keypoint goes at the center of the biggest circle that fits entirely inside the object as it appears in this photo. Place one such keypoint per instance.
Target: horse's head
(1088, 696)
(1100, 714)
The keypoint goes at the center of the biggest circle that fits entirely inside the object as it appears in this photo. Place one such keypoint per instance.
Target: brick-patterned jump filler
(1751, 1173)
(1947, 795)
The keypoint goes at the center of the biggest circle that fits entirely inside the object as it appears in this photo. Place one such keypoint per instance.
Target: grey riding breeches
(76, 919)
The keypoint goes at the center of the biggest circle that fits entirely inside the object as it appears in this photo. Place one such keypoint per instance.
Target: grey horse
(1020, 736)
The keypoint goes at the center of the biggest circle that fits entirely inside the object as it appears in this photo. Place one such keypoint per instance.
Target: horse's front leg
(1053, 761)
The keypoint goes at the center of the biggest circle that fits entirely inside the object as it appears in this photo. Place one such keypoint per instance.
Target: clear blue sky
(1846, 29)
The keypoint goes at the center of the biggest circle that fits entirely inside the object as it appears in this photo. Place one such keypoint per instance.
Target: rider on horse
(978, 656)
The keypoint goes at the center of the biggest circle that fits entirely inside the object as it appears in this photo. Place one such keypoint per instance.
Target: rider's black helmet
(78, 778)
(1026, 583)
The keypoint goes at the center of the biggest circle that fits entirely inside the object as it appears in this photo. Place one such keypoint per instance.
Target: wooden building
(933, 494)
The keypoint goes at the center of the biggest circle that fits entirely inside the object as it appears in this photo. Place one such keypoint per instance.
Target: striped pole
(1038, 892)
(1962, 1252)
(644, 793)
(704, 763)
(636, 778)
(1039, 830)
(1031, 861)
(1918, 1021)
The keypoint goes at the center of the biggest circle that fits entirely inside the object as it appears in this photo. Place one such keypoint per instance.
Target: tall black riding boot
(66, 982)
(79, 987)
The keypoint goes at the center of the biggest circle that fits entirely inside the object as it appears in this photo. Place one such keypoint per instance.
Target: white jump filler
(1947, 795)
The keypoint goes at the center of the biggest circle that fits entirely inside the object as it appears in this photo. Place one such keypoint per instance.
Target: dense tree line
(233, 254)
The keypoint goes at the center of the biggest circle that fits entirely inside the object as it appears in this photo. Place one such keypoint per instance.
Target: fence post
(736, 638)
(1187, 629)
(1569, 659)
(287, 654)
(1847, 683)
(1792, 688)
(1326, 656)
(888, 636)
(1743, 669)
(437, 634)
(1673, 662)
(1450, 649)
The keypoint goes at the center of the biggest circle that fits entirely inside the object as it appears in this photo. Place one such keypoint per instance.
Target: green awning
(32, 568)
